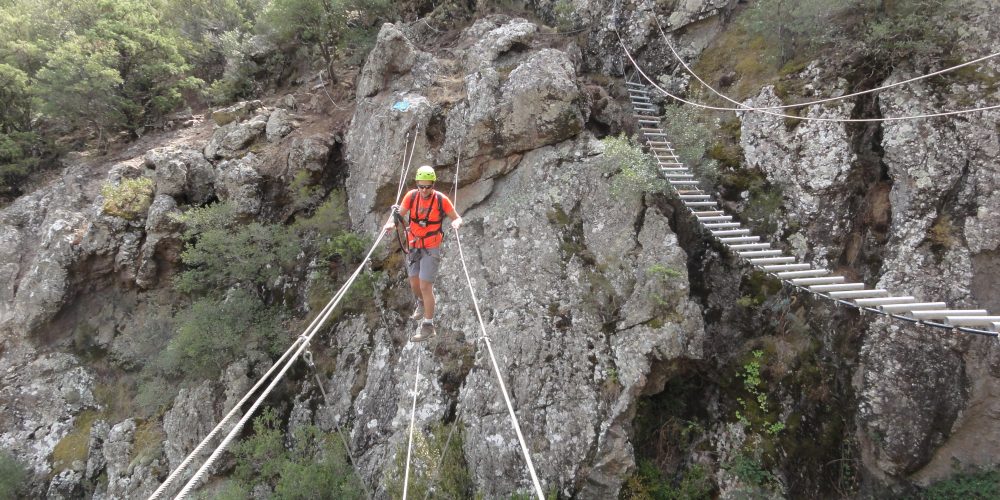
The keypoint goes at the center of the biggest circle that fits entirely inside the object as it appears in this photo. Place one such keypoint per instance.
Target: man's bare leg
(427, 292)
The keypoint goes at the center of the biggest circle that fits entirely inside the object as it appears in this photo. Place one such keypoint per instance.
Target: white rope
(302, 343)
(413, 418)
(407, 162)
(496, 370)
(744, 107)
(198, 476)
(806, 118)
(198, 449)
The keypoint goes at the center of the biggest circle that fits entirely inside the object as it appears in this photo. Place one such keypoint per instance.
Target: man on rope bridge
(425, 209)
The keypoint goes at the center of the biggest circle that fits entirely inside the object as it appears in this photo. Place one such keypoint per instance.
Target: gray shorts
(423, 262)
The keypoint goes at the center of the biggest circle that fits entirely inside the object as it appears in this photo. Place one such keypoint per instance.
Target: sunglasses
(424, 186)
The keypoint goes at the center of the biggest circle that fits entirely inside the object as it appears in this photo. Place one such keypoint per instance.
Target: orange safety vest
(426, 217)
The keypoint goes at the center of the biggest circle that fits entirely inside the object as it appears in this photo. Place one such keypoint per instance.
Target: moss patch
(74, 446)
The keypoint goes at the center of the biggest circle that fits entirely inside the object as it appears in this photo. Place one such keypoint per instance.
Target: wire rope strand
(496, 370)
(232, 412)
(744, 107)
(795, 117)
(193, 482)
(413, 418)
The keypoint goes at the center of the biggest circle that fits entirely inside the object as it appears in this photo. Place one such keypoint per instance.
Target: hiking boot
(418, 312)
(424, 331)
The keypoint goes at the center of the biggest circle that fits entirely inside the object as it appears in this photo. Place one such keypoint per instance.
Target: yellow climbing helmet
(426, 173)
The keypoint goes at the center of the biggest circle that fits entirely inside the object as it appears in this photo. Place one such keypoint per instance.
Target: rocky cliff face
(598, 303)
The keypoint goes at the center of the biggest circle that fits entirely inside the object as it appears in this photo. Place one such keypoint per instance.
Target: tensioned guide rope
(413, 418)
(300, 344)
(744, 107)
(496, 371)
(782, 115)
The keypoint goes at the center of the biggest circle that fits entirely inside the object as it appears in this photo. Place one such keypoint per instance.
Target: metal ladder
(801, 276)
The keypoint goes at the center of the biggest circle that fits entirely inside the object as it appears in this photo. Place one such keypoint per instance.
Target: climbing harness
(427, 221)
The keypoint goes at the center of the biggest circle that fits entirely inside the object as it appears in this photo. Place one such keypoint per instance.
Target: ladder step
(652, 117)
(690, 191)
(694, 196)
(783, 268)
(882, 301)
(750, 246)
(658, 134)
(840, 287)
(699, 204)
(639, 98)
(708, 213)
(658, 143)
(673, 169)
(677, 175)
(973, 320)
(803, 273)
(857, 294)
(731, 232)
(683, 183)
(717, 218)
(671, 164)
(767, 260)
(915, 306)
(945, 313)
(740, 239)
(648, 121)
(715, 225)
(826, 280)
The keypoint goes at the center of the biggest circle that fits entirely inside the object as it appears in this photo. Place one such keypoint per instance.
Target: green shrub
(316, 465)
(691, 132)
(12, 477)
(636, 170)
(129, 199)
(213, 333)
(649, 482)
(750, 471)
(978, 485)
(222, 252)
(451, 480)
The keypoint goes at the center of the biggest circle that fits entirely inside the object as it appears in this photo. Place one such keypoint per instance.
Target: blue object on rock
(401, 106)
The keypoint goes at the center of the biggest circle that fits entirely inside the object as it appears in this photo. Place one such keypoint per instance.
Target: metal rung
(768, 260)
(671, 163)
(716, 225)
(707, 213)
(665, 143)
(699, 204)
(637, 115)
(972, 320)
(740, 239)
(945, 313)
(673, 169)
(677, 175)
(856, 294)
(841, 287)
(750, 246)
(716, 218)
(647, 121)
(884, 301)
(694, 196)
(731, 232)
(826, 280)
(803, 273)
(916, 306)
(658, 134)
(637, 97)
(683, 183)
(689, 191)
(785, 268)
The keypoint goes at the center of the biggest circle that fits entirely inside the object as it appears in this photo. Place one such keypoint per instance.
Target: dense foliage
(90, 70)
(315, 465)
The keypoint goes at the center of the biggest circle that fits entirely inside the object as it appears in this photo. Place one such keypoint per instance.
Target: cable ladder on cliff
(775, 263)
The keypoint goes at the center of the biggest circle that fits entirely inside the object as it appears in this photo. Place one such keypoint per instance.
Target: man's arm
(456, 220)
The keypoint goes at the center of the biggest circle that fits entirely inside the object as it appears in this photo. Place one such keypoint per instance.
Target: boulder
(279, 124)
(230, 140)
(234, 113)
(182, 173)
(240, 182)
